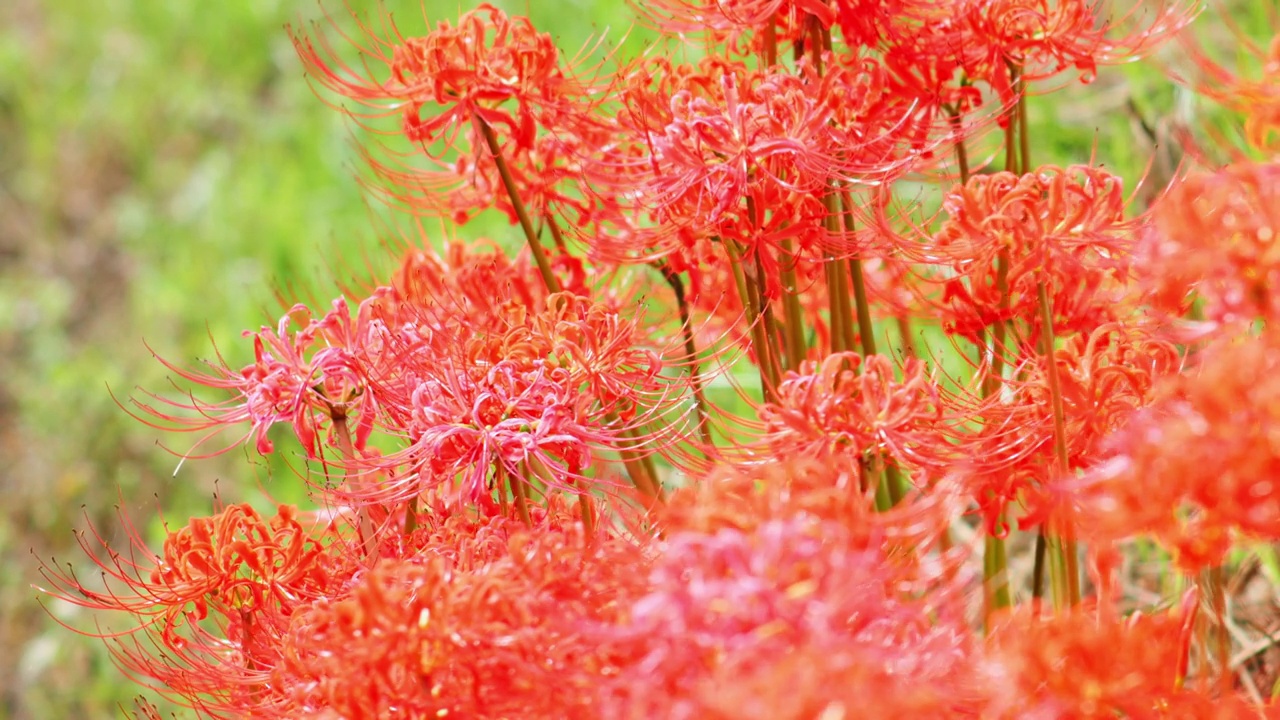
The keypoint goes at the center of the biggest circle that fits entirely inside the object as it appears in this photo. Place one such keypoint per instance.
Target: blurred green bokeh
(165, 169)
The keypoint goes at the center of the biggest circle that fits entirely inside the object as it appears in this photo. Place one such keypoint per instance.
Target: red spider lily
(476, 68)
(889, 24)
(727, 22)
(303, 378)
(473, 285)
(1077, 665)
(1198, 464)
(816, 488)
(530, 395)
(488, 73)
(820, 679)
(726, 152)
(467, 284)
(462, 426)
(466, 635)
(1103, 378)
(470, 380)
(741, 601)
(548, 177)
(1216, 233)
(1038, 39)
(602, 352)
(210, 610)
(1005, 234)
(839, 407)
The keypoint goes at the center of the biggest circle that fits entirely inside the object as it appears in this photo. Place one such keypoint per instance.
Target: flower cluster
(659, 462)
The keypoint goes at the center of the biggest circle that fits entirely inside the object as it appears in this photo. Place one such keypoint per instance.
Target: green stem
(995, 562)
(768, 384)
(892, 477)
(1068, 563)
(690, 351)
(792, 312)
(521, 497)
(347, 450)
(508, 182)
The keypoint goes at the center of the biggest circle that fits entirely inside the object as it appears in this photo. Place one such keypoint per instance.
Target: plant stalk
(513, 193)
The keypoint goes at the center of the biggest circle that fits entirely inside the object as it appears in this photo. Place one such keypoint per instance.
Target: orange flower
(464, 634)
(210, 610)
(1198, 465)
(836, 408)
(1079, 666)
(1063, 227)
(729, 612)
(1216, 233)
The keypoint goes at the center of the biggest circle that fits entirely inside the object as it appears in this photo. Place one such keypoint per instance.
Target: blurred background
(166, 173)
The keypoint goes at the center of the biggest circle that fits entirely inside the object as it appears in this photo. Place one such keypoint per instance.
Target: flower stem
(907, 336)
(342, 435)
(962, 152)
(892, 477)
(508, 181)
(690, 351)
(995, 553)
(792, 312)
(759, 287)
(759, 343)
(995, 585)
(639, 468)
(1068, 563)
(518, 492)
(769, 53)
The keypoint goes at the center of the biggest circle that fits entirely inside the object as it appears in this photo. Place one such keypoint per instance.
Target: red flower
(1043, 38)
(837, 408)
(464, 634)
(735, 24)
(1065, 228)
(1103, 378)
(1257, 98)
(1216, 233)
(211, 609)
(1078, 665)
(725, 152)
(733, 606)
(530, 395)
(440, 80)
(303, 378)
(1197, 466)
(490, 69)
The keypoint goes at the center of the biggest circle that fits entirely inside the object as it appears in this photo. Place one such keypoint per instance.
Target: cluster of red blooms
(536, 498)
